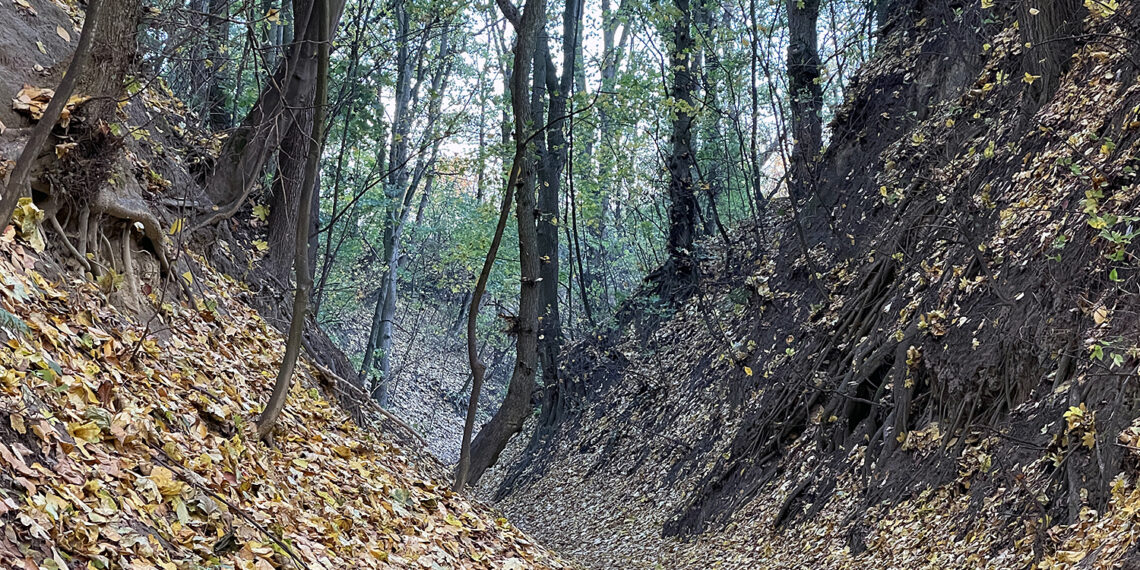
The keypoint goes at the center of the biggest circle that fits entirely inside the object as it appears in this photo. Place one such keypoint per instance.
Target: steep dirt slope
(957, 389)
(130, 445)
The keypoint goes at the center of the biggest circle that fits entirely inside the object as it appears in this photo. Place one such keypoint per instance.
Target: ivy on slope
(131, 445)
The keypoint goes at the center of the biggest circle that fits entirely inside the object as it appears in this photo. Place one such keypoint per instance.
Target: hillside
(903, 336)
(957, 389)
(129, 444)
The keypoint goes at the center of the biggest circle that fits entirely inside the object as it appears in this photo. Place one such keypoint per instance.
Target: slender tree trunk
(218, 32)
(476, 456)
(304, 279)
(707, 63)
(549, 190)
(380, 341)
(598, 259)
(402, 196)
(18, 181)
(754, 97)
(391, 278)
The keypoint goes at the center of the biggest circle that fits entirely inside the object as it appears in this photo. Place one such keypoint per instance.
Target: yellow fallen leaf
(87, 431)
(1100, 314)
(63, 34)
(164, 479)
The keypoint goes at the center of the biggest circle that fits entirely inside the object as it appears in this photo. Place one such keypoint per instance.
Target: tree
(240, 163)
(476, 456)
(301, 261)
(681, 267)
(403, 185)
(805, 94)
(558, 88)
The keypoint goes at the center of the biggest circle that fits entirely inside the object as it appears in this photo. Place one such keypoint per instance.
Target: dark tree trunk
(555, 394)
(508, 420)
(304, 281)
(682, 199)
(242, 159)
(1049, 31)
(218, 31)
(286, 191)
(806, 96)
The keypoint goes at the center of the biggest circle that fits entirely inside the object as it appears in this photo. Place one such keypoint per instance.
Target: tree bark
(304, 278)
(555, 395)
(217, 28)
(243, 156)
(682, 199)
(476, 456)
(115, 49)
(286, 192)
(1048, 31)
(806, 96)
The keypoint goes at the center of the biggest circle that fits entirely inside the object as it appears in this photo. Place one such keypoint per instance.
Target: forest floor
(945, 379)
(131, 445)
(428, 373)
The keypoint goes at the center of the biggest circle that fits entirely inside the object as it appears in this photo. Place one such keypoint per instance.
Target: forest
(580, 284)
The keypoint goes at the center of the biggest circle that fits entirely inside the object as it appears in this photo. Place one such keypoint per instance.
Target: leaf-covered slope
(130, 445)
(959, 393)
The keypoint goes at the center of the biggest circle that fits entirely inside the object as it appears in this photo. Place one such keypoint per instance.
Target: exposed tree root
(67, 242)
(129, 277)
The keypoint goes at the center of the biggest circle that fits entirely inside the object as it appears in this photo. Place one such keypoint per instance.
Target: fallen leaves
(27, 219)
(34, 101)
(25, 7)
(138, 452)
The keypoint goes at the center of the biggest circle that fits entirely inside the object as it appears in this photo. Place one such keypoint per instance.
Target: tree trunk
(243, 156)
(555, 394)
(286, 192)
(304, 280)
(806, 96)
(115, 50)
(476, 457)
(399, 193)
(18, 180)
(596, 254)
(682, 199)
(1048, 31)
(217, 28)
(402, 191)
